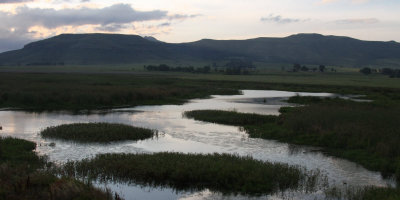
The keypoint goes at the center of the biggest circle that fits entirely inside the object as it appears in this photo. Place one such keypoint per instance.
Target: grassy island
(217, 172)
(97, 132)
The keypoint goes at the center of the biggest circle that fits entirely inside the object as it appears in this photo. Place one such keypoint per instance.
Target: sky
(175, 21)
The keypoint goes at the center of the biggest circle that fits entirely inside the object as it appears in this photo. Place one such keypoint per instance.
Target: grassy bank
(22, 176)
(96, 132)
(365, 133)
(228, 117)
(217, 172)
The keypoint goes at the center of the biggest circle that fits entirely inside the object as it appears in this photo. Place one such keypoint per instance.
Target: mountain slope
(113, 49)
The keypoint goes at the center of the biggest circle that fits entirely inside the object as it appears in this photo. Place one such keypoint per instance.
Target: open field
(93, 89)
(96, 132)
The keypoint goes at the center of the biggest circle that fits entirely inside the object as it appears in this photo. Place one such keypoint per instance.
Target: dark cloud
(164, 24)
(51, 18)
(280, 20)
(111, 27)
(358, 21)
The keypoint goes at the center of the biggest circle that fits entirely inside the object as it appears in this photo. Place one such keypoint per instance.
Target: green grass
(23, 175)
(217, 172)
(96, 132)
(365, 133)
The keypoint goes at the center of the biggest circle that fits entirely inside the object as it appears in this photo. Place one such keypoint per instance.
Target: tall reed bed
(97, 132)
(229, 117)
(217, 172)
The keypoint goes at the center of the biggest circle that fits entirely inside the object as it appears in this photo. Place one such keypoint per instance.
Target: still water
(178, 134)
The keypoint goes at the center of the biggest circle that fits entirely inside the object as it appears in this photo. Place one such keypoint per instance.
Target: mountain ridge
(302, 48)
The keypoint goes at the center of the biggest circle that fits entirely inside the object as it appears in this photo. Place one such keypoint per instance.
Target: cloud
(164, 24)
(111, 27)
(13, 1)
(351, 1)
(358, 21)
(50, 18)
(280, 20)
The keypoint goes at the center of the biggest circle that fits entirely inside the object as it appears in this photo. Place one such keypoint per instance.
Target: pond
(179, 134)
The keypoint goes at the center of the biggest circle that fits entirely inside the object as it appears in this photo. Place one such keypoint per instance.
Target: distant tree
(304, 68)
(366, 70)
(314, 69)
(387, 71)
(322, 68)
(296, 67)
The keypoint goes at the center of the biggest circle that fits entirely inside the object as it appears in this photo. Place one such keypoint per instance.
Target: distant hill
(119, 49)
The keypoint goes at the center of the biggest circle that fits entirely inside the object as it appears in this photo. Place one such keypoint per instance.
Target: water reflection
(178, 134)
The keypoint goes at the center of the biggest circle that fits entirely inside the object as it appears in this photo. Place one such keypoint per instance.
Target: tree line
(298, 67)
(392, 73)
(233, 67)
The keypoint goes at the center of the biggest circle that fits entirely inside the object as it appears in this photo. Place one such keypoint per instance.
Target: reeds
(23, 175)
(218, 172)
(97, 132)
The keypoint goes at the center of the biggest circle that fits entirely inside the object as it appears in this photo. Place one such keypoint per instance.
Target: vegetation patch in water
(97, 132)
(217, 172)
(23, 175)
(229, 117)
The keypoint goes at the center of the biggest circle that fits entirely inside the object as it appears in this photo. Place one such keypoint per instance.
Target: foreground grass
(365, 133)
(217, 172)
(96, 132)
(22, 176)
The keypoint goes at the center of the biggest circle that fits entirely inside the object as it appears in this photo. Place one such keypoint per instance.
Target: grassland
(218, 172)
(96, 132)
(23, 176)
(90, 88)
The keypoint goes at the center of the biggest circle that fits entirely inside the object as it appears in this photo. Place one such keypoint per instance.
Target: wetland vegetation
(362, 132)
(365, 133)
(97, 132)
(218, 172)
(23, 175)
